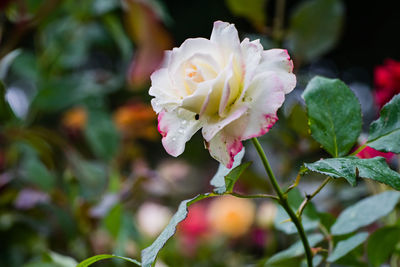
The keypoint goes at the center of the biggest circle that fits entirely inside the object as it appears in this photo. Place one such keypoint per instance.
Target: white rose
(230, 90)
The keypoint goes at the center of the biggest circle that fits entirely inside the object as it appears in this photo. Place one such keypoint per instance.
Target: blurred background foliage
(82, 169)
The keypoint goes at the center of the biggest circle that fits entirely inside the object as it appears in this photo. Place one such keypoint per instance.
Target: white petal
(227, 38)
(176, 128)
(252, 53)
(212, 127)
(189, 48)
(278, 60)
(196, 101)
(163, 91)
(224, 147)
(264, 97)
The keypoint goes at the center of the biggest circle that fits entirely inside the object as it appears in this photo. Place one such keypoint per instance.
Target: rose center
(193, 73)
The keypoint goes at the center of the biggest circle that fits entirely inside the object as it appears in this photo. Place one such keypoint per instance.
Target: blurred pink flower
(369, 152)
(195, 225)
(29, 198)
(194, 228)
(387, 81)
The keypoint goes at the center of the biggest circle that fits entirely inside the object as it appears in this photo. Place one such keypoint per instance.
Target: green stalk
(284, 202)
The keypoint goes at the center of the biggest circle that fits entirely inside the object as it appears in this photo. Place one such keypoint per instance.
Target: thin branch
(294, 185)
(253, 196)
(309, 197)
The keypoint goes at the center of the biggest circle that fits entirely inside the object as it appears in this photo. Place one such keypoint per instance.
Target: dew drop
(173, 139)
(181, 131)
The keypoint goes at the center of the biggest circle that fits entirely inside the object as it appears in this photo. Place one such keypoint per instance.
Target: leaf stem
(284, 202)
(309, 197)
(252, 196)
(328, 237)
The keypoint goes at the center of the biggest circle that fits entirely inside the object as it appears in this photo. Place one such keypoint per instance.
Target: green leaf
(113, 220)
(91, 176)
(219, 180)
(36, 172)
(97, 258)
(384, 133)
(6, 62)
(296, 250)
(365, 212)
(317, 260)
(315, 27)
(149, 254)
(381, 244)
(234, 175)
(116, 30)
(309, 218)
(344, 247)
(61, 260)
(102, 134)
(334, 114)
(253, 10)
(350, 168)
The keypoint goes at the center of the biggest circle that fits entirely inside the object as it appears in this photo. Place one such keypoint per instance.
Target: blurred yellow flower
(136, 121)
(231, 216)
(75, 118)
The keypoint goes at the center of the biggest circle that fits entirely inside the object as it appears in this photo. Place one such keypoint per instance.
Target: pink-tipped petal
(214, 126)
(264, 96)
(176, 128)
(223, 147)
(278, 61)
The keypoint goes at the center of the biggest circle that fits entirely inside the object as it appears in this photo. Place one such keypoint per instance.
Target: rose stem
(284, 202)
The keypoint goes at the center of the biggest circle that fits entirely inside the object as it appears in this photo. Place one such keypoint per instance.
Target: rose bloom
(231, 216)
(229, 89)
(387, 81)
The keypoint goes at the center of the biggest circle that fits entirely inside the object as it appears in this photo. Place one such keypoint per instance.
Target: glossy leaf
(293, 251)
(384, 133)
(97, 258)
(150, 253)
(381, 244)
(365, 212)
(315, 28)
(345, 246)
(334, 114)
(351, 168)
(219, 180)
